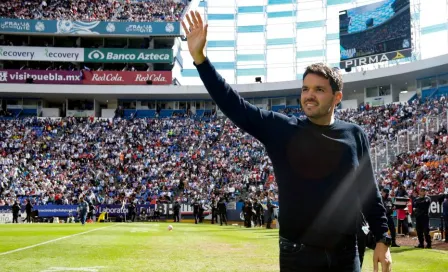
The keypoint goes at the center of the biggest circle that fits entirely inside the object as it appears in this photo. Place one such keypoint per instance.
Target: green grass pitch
(151, 247)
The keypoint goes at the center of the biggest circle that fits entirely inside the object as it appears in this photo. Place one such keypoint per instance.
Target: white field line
(51, 241)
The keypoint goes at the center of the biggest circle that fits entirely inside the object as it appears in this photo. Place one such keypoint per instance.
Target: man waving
(322, 166)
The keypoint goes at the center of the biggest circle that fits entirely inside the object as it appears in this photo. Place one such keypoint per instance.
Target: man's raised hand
(196, 36)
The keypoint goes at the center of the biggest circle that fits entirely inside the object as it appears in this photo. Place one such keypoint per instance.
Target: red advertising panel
(127, 77)
(40, 76)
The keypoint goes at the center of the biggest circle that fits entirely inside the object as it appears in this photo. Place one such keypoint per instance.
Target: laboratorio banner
(51, 54)
(5, 215)
(98, 28)
(110, 55)
(87, 77)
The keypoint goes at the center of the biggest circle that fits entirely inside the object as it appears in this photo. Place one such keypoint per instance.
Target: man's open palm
(196, 36)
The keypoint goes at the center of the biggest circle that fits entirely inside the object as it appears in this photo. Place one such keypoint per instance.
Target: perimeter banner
(5, 215)
(97, 55)
(52, 54)
(86, 77)
(113, 210)
(44, 210)
(97, 28)
(40, 76)
(56, 210)
(127, 77)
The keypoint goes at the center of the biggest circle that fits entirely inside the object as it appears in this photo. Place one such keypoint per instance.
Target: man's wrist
(199, 59)
(384, 239)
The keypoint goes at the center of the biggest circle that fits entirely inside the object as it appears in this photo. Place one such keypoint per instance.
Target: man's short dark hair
(323, 70)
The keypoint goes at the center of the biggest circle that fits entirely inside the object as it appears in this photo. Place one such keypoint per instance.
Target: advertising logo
(60, 55)
(40, 26)
(15, 53)
(376, 58)
(34, 53)
(348, 54)
(3, 76)
(96, 55)
(40, 76)
(127, 77)
(169, 28)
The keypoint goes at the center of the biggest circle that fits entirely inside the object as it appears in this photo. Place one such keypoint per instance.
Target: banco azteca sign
(104, 55)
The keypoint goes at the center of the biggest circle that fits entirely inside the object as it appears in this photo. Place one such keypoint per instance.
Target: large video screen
(375, 33)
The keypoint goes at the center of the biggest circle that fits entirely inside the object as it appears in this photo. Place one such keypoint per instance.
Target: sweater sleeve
(370, 196)
(261, 124)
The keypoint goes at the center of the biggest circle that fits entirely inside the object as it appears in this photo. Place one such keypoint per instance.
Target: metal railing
(383, 153)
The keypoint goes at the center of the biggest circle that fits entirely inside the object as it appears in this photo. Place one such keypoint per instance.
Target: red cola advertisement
(127, 77)
(87, 77)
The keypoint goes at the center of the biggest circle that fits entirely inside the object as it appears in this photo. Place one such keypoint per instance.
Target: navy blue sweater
(324, 173)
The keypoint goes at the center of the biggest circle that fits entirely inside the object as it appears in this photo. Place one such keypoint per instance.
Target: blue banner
(56, 210)
(47, 210)
(100, 28)
(5, 209)
(165, 209)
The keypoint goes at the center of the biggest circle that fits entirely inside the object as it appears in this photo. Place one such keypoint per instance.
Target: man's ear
(337, 98)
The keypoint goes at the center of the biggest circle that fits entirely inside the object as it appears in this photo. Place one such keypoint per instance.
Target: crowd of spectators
(56, 161)
(291, 111)
(186, 158)
(399, 4)
(427, 165)
(93, 10)
(152, 11)
(387, 122)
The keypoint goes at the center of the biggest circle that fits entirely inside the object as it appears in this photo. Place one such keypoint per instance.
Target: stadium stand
(52, 161)
(185, 157)
(151, 155)
(95, 10)
(152, 11)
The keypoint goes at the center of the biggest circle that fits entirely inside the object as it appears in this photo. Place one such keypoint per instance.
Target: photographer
(421, 212)
(389, 211)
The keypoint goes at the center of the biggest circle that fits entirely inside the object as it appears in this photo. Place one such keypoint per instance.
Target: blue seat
(146, 113)
(166, 113)
(277, 107)
(428, 93)
(128, 113)
(28, 112)
(200, 113)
